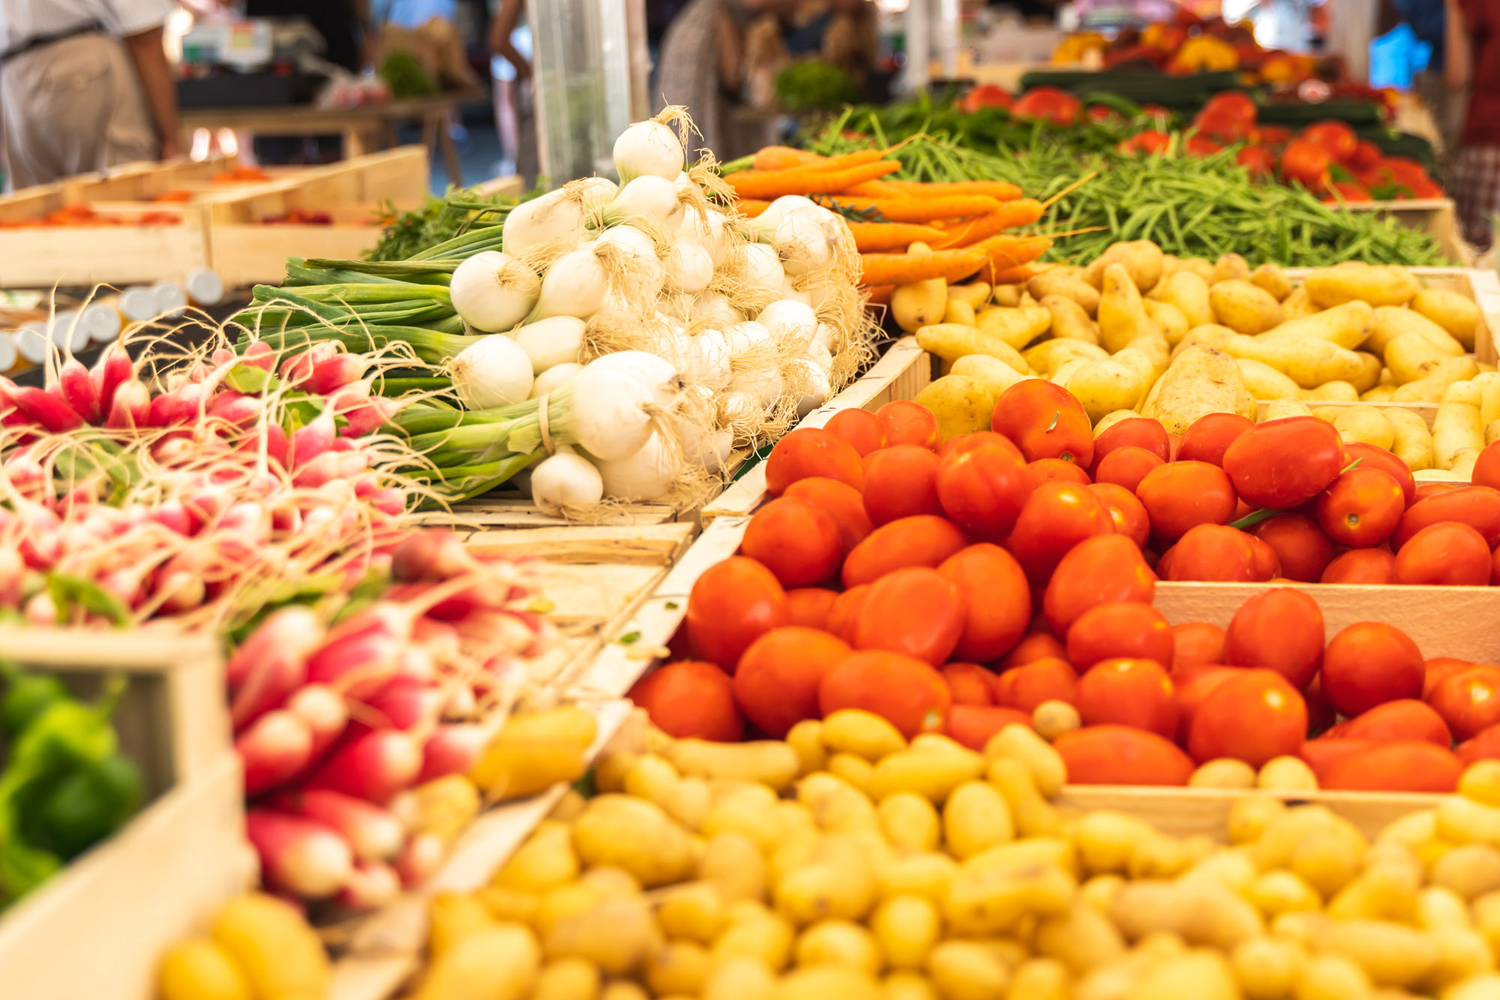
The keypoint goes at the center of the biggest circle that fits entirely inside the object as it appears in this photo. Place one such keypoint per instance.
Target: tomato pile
(1008, 576)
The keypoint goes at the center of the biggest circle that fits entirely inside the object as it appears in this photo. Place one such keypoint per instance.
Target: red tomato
(901, 481)
(1300, 545)
(1407, 719)
(1261, 162)
(986, 95)
(1120, 629)
(1495, 568)
(913, 611)
(1127, 466)
(974, 725)
(1280, 630)
(776, 683)
(1050, 470)
(1448, 554)
(809, 607)
(1185, 494)
(996, 600)
(1487, 467)
(1196, 644)
(1425, 490)
(1468, 700)
(841, 502)
(690, 700)
(1200, 146)
(1211, 552)
(1368, 664)
(1055, 518)
(1306, 163)
(1048, 104)
(1412, 766)
(912, 541)
(1191, 687)
(844, 614)
(1029, 685)
(1128, 692)
(1253, 717)
(1267, 563)
(1370, 457)
(861, 428)
(1148, 142)
(907, 693)
(1361, 566)
(1361, 508)
(978, 439)
(1336, 138)
(1485, 746)
(808, 452)
(983, 490)
(1476, 506)
(1208, 437)
(796, 540)
(1036, 646)
(1098, 570)
(731, 605)
(1283, 463)
(906, 422)
(1122, 755)
(969, 683)
(1126, 512)
(1320, 713)
(1366, 155)
(1045, 421)
(1438, 668)
(1132, 432)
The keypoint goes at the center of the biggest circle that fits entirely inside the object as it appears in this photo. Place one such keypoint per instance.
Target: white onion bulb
(552, 341)
(648, 148)
(493, 291)
(492, 372)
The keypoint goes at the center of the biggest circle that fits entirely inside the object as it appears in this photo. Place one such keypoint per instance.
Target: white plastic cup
(204, 287)
(8, 352)
(102, 323)
(138, 304)
(31, 340)
(170, 298)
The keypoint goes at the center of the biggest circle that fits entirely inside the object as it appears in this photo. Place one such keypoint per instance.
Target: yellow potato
(962, 405)
(959, 311)
(634, 835)
(1383, 285)
(1068, 286)
(1198, 911)
(1412, 441)
(281, 955)
(1193, 265)
(1017, 327)
(839, 881)
(1279, 409)
(1005, 295)
(1142, 260)
(853, 730)
(1411, 357)
(1366, 424)
(1309, 362)
(1189, 292)
(806, 737)
(1229, 267)
(766, 937)
(1047, 357)
(200, 970)
(967, 970)
(910, 822)
(1243, 307)
(1458, 424)
(1265, 382)
(1333, 977)
(934, 774)
(976, 816)
(1430, 388)
(1122, 315)
(907, 986)
(1034, 816)
(1040, 979)
(921, 873)
(1083, 939)
(975, 293)
(1021, 743)
(1273, 280)
(1389, 953)
(568, 979)
(995, 375)
(1470, 870)
(740, 978)
(1288, 774)
(855, 770)
(510, 769)
(1480, 782)
(907, 928)
(1334, 392)
(837, 942)
(835, 804)
(951, 341)
(1267, 968)
(1456, 314)
(1297, 304)
(1103, 387)
(1249, 816)
(1199, 381)
(768, 762)
(1052, 719)
(1069, 321)
(1379, 394)
(1174, 325)
(1106, 839)
(1393, 321)
(919, 304)
(501, 961)
(1198, 975)
(989, 898)
(547, 859)
(1225, 772)
(1348, 325)
(1280, 891)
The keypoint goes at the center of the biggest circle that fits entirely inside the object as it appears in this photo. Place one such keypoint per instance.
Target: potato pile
(1175, 339)
(849, 864)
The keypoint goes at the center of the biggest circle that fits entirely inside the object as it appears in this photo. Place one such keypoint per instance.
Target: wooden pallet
(170, 867)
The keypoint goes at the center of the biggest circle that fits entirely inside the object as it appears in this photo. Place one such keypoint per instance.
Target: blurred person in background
(1471, 58)
(84, 85)
(510, 67)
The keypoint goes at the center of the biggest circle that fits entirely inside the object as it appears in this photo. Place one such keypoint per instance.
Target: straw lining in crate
(164, 873)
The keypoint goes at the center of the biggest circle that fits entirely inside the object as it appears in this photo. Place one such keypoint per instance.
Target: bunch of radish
(336, 723)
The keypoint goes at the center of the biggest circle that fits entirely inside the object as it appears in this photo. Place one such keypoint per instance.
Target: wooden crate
(88, 255)
(904, 371)
(169, 868)
(147, 181)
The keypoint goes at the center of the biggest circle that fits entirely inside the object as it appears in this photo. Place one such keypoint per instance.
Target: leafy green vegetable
(808, 86)
(437, 221)
(406, 76)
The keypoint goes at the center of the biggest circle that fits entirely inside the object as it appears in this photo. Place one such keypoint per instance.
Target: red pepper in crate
(1048, 104)
(1149, 141)
(986, 95)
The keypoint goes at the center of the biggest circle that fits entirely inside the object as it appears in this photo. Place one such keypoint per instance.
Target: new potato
(1047, 357)
(1429, 389)
(1273, 280)
(1174, 325)
(1189, 292)
(1348, 325)
(951, 341)
(1382, 285)
(1069, 321)
(1458, 424)
(1411, 441)
(1119, 383)
(1069, 286)
(1141, 260)
(1243, 307)
(995, 375)
(1458, 315)
(1393, 321)
(1199, 381)
(1122, 314)
(1017, 327)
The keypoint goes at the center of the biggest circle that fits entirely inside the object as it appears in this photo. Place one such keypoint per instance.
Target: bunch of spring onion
(346, 730)
(623, 339)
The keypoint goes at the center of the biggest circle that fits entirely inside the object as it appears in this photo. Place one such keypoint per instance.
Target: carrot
(1010, 214)
(751, 207)
(999, 190)
(784, 158)
(1014, 275)
(880, 295)
(873, 236)
(805, 180)
(902, 268)
(856, 159)
(1008, 251)
(918, 209)
(875, 189)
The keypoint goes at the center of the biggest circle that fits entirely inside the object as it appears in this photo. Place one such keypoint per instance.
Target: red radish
(371, 886)
(298, 368)
(373, 833)
(325, 713)
(180, 592)
(41, 610)
(322, 469)
(78, 390)
(391, 501)
(368, 417)
(372, 765)
(259, 354)
(273, 653)
(336, 372)
(40, 407)
(406, 703)
(420, 859)
(312, 439)
(363, 651)
(113, 369)
(299, 855)
(452, 749)
(276, 747)
(12, 577)
(171, 514)
(235, 408)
